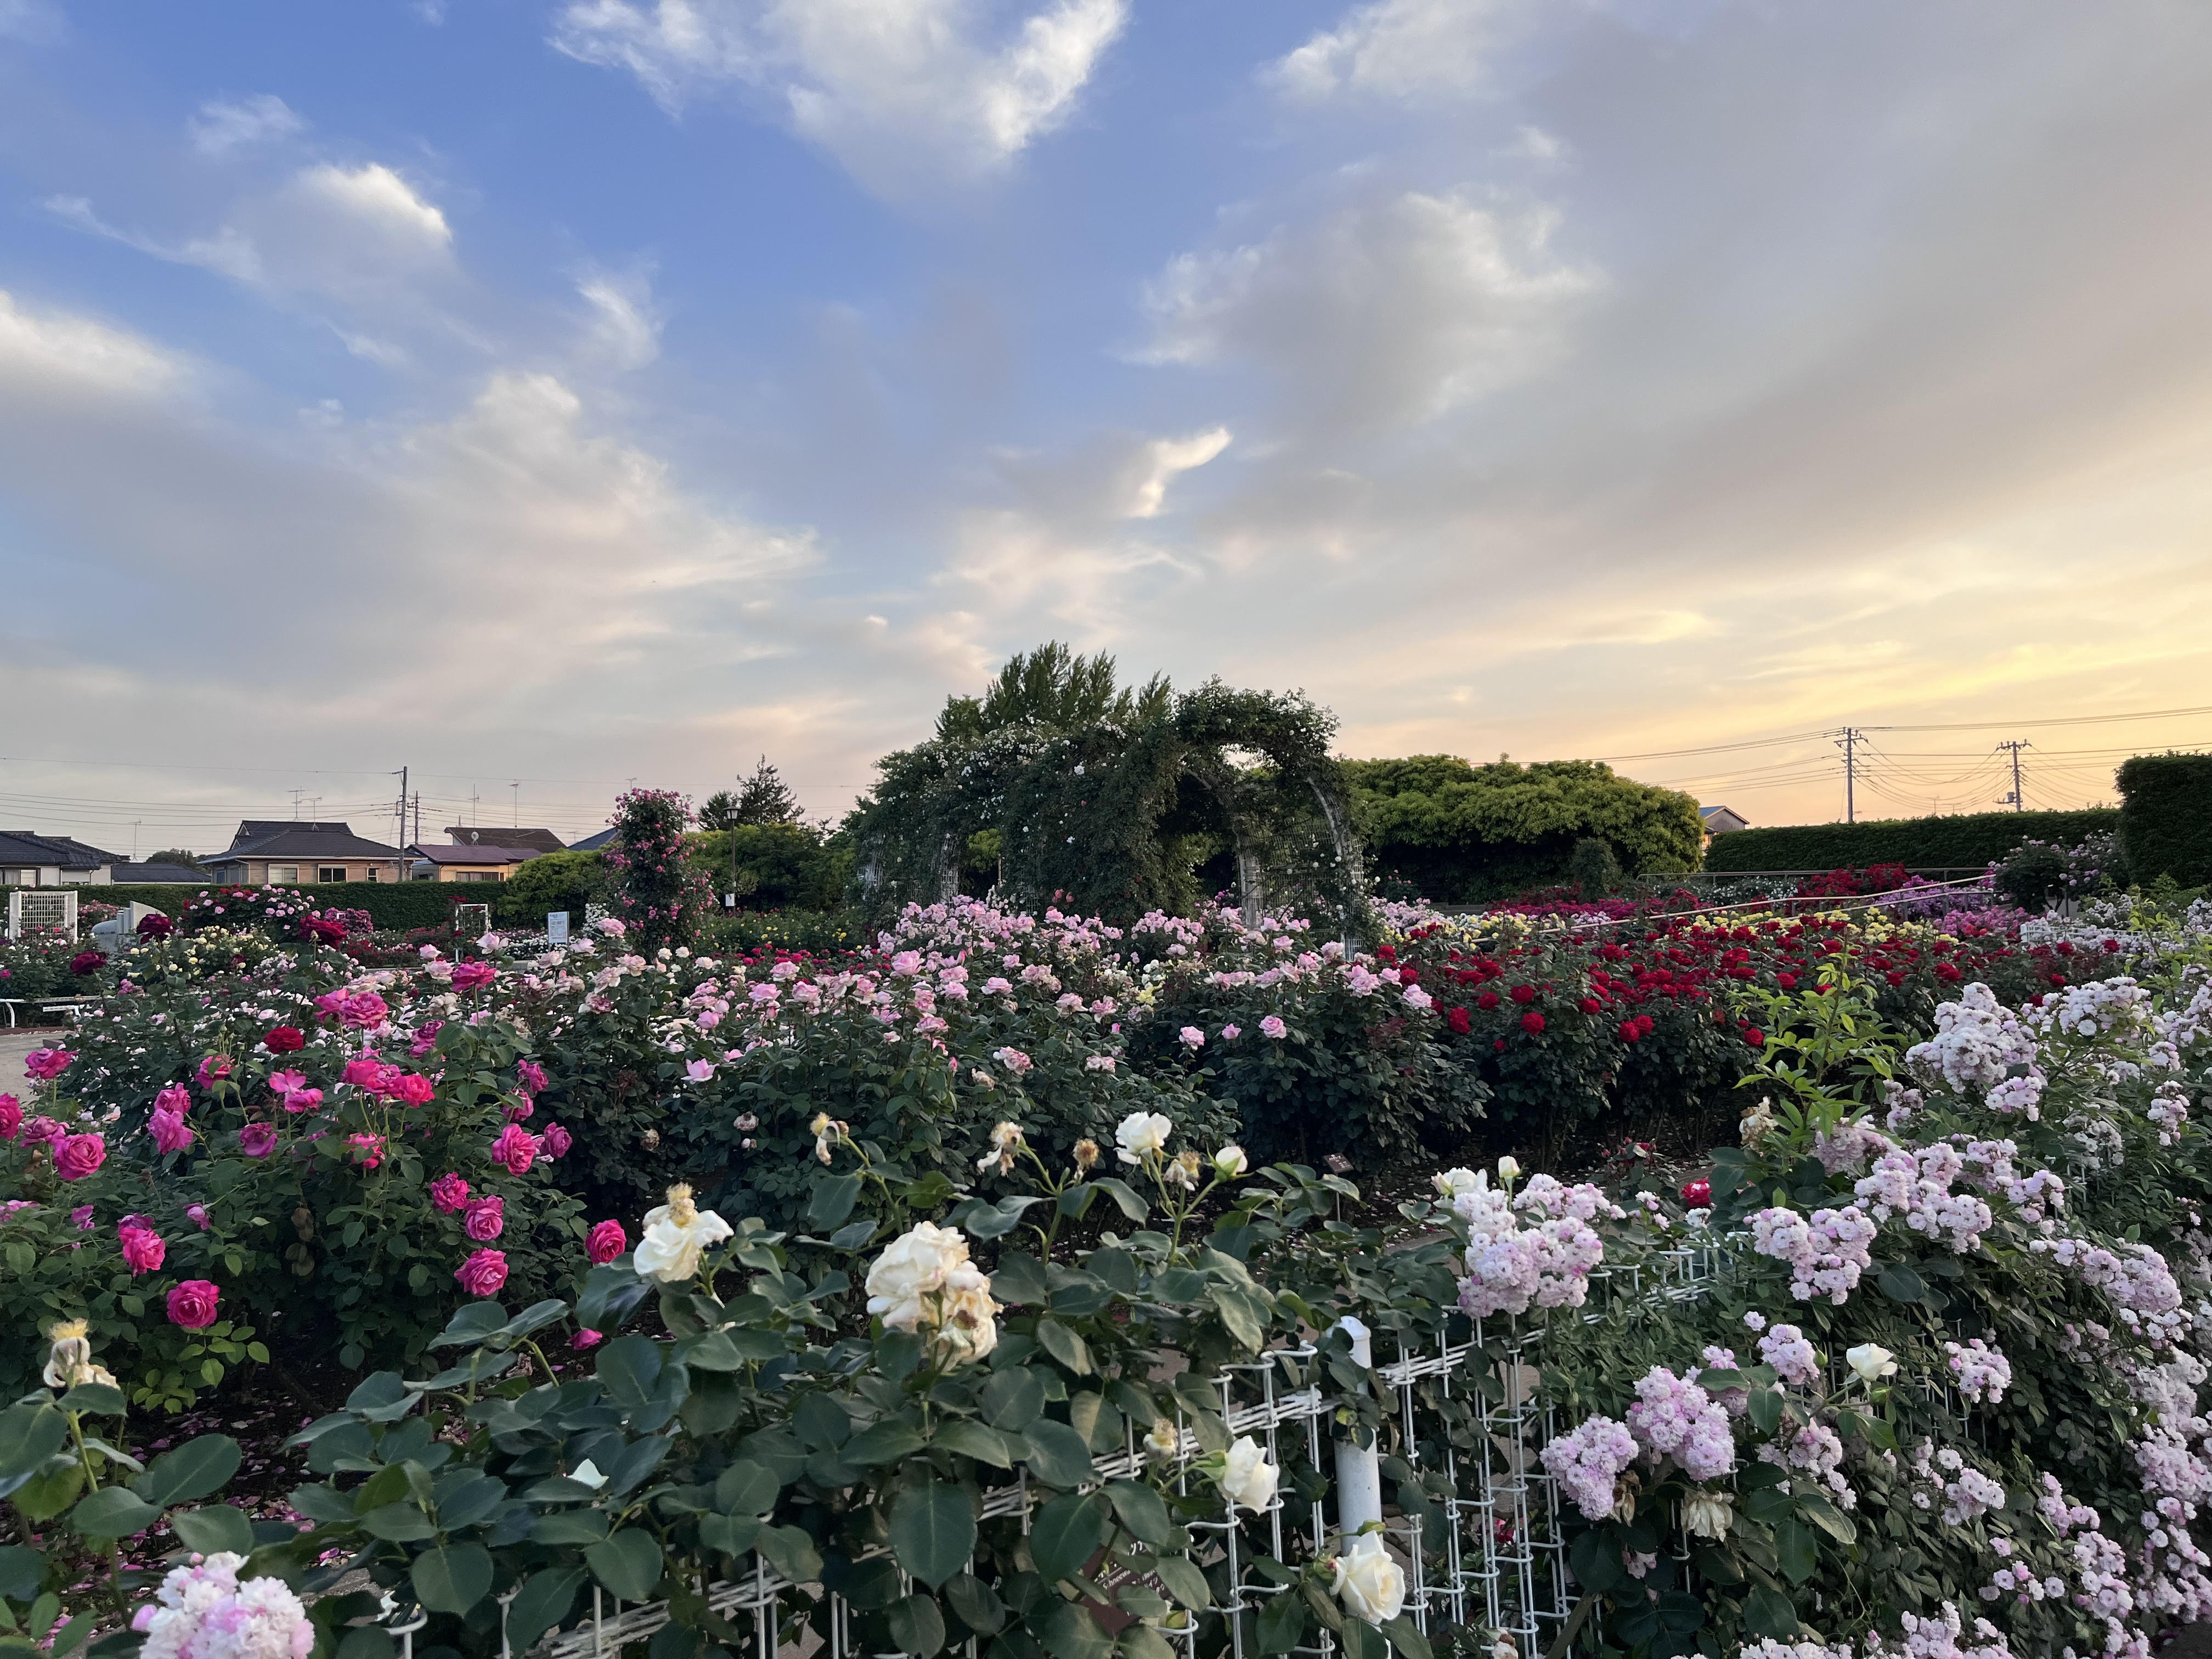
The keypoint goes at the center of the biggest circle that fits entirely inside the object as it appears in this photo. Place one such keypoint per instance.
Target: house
(541, 841)
(289, 852)
(28, 859)
(593, 844)
(432, 862)
(170, 875)
(1721, 820)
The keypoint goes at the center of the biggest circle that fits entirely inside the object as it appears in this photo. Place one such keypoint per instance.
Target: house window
(476, 875)
(330, 872)
(283, 872)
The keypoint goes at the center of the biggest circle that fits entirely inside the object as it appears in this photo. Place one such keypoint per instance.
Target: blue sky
(567, 391)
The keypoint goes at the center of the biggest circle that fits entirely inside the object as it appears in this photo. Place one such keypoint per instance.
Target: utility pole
(296, 793)
(1849, 744)
(135, 822)
(2017, 801)
(403, 807)
(419, 817)
(517, 787)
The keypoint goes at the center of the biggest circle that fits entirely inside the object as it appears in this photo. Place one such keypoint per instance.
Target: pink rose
(283, 1082)
(471, 976)
(257, 1140)
(515, 1150)
(529, 1077)
(700, 1070)
(522, 1108)
(47, 1064)
(482, 1274)
(214, 1069)
(414, 1090)
(192, 1305)
(45, 1130)
(608, 1241)
(143, 1250)
(11, 1117)
(174, 1098)
(371, 1148)
(78, 1156)
(557, 1140)
(1273, 1026)
(171, 1132)
(81, 1218)
(449, 1193)
(303, 1099)
(197, 1214)
(585, 1339)
(485, 1219)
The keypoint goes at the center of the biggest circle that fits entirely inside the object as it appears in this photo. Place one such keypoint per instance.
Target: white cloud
(906, 94)
(36, 21)
(1164, 459)
(221, 126)
(1400, 49)
(625, 325)
(1399, 309)
(53, 351)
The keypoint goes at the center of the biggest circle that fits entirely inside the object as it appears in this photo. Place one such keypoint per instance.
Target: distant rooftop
(542, 841)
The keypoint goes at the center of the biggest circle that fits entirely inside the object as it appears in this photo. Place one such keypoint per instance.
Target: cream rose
(1370, 1583)
(1872, 1362)
(1229, 1163)
(1247, 1478)
(1509, 1169)
(1006, 1140)
(1459, 1182)
(924, 1281)
(677, 1234)
(1143, 1135)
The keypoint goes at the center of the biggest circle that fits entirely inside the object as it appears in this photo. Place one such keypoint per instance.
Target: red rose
(1524, 993)
(192, 1305)
(1487, 999)
(1630, 1031)
(1458, 1021)
(1531, 1021)
(285, 1040)
(1697, 1195)
(1591, 1005)
(1755, 1037)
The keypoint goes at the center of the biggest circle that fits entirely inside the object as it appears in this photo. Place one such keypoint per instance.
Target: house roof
(293, 838)
(540, 841)
(28, 846)
(1709, 813)
(432, 853)
(592, 843)
(167, 874)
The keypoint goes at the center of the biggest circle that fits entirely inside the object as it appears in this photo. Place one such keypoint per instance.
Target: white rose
(675, 1234)
(1872, 1362)
(1457, 1183)
(1370, 1585)
(1229, 1163)
(1508, 1168)
(1247, 1478)
(913, 1265)
(1143, 1135)
(1707, 1514)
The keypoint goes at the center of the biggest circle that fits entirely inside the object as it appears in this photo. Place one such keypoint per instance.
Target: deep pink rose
(482, 1274)
(414, 1090)
(79, 1155)
(257, 1140)
(472, 975)
(371, 1148)
(585, 1339)
(45, 1130)
(197, 1214)
(11, 1117)
(608, 1241)
(174, 1098)
(81, 1218)
(283, 1082)
(485, 1219)
(529, 1077)
(47, 1064)
(171, 1132)
(449, 1193)
(515, 1150)
(557, 1140)
(303, 1099)
(192, 1305)
(215, 1069)
(143, 1250)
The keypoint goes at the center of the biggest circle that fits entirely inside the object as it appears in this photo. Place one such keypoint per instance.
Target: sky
(544, 395)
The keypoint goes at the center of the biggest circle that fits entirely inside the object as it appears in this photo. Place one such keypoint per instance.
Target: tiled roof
(592, 843)
(164, 874)
(540, 840)
(28, 846)
(432, 853)
(283, 838)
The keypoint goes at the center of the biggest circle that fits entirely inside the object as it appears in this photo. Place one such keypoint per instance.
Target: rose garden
(1093, 1266)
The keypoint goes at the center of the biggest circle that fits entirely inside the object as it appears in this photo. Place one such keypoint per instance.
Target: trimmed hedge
(1962, 840)
(2165, 817)
(389, 903)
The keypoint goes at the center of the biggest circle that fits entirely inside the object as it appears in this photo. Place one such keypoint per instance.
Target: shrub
(654, 889)
(1960, 842)
(1593, 869)
(550, 882)
(2042, 874)
(2165, 817)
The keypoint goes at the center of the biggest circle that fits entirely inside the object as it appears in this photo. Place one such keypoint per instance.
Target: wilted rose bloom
(192, 1305)
(81, 1218)
(482, 1274)
(45, 1130)
(285, 1040)
(282, 1082)
(257, 1140)
(449, 1193)
(79, 1155)
(143, 1250)
(485, 1219)
(608, 1240)
(677, 1234)
(556, 1140)
(515, 1150)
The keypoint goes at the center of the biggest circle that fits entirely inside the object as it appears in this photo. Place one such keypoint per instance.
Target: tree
(1058, 690)
(720, 811)
(176, 855)
(764, 798)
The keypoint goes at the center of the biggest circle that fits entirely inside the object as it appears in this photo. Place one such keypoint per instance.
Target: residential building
(1721, 821)
(28, 859)
(429, 861)
(593, 843)
(540, 840)
(288, 852)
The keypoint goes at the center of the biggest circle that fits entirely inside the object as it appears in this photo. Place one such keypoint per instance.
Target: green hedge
(389, 903)
(1959, 842)
(2165, 817)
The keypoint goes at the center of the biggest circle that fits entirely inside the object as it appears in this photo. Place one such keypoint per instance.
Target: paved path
(14, 1045)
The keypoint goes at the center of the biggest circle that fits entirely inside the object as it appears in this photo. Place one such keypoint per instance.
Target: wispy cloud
(222, 125)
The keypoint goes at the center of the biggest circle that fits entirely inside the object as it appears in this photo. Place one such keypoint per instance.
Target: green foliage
(777, 865)
(1959, 842)
(550, 882)
(175, 855)
(1593, 869)
(397, 905)
(2165, 817)
(1113, 802)
(1459, 833)
(655, 889)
